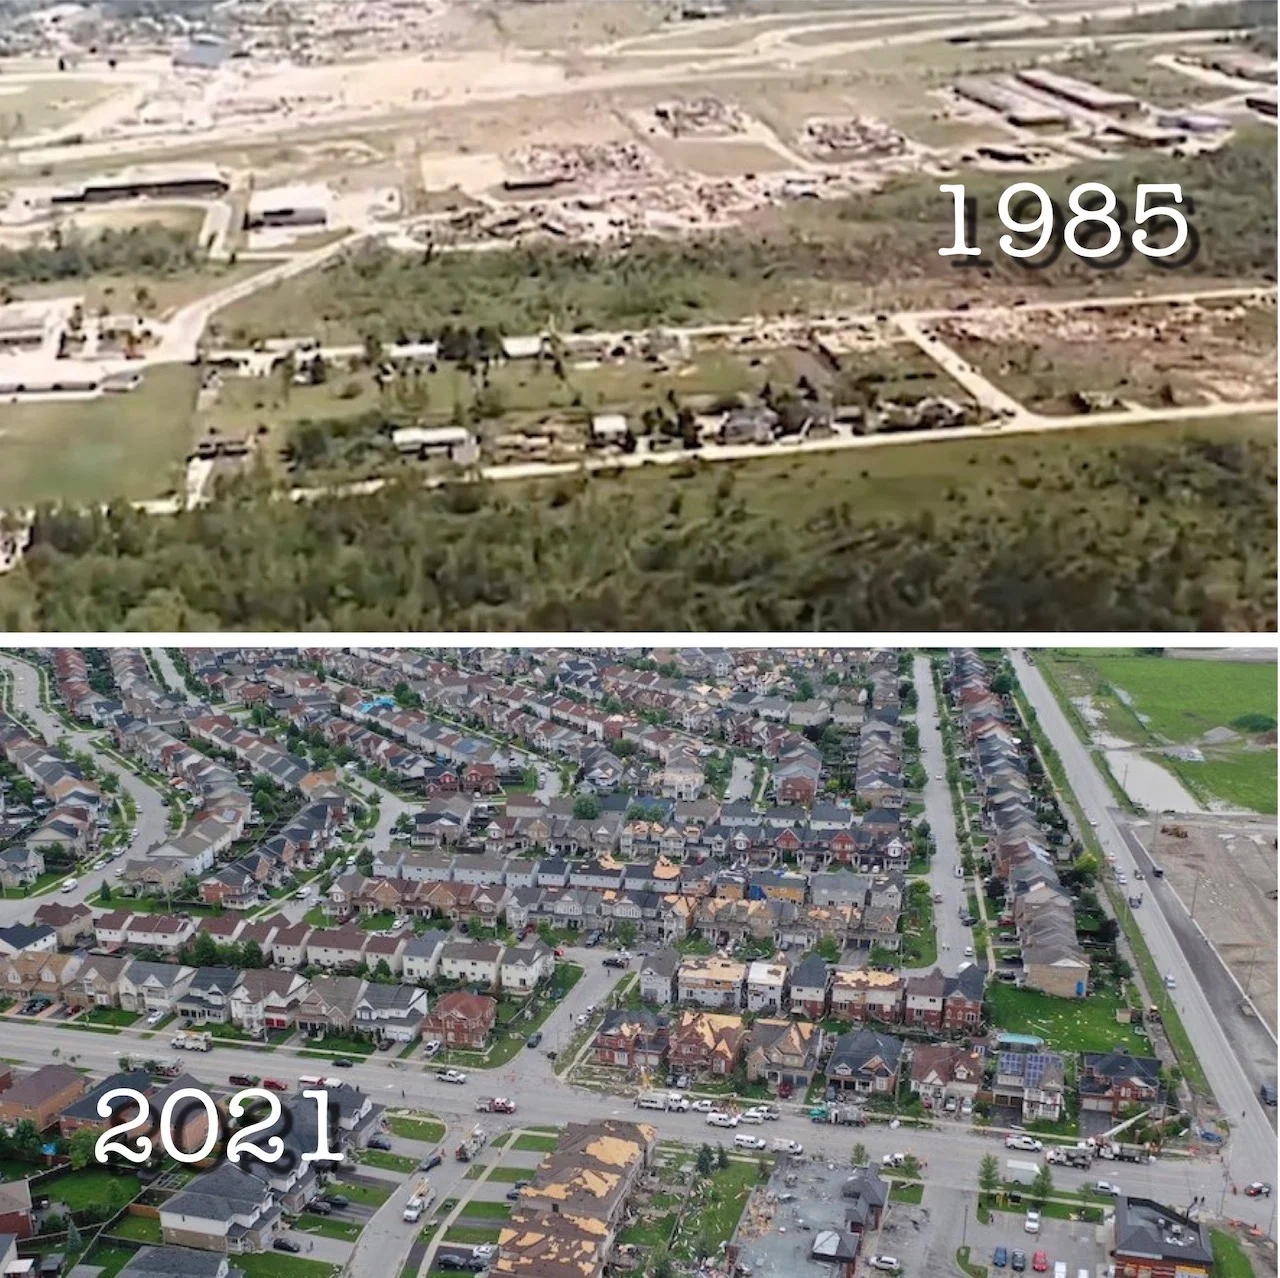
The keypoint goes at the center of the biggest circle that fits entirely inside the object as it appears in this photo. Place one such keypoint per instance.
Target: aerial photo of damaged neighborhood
(554, 314)
(761, 963)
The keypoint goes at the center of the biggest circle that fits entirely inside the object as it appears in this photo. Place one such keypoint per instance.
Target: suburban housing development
(841, 930)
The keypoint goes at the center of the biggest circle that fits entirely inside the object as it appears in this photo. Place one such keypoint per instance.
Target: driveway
(739, 787)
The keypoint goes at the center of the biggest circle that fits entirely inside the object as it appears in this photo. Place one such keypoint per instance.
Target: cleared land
(93, 450)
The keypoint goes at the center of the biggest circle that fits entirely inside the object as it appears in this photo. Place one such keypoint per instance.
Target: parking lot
(1077, 1244)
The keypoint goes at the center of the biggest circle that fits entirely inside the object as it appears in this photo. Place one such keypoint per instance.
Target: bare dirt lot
(1227, 865)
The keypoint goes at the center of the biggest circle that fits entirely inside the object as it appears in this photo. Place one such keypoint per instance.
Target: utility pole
(1195, 892)
(964, 1230)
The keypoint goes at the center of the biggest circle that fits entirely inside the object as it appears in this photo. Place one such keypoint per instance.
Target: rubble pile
(853, 137)
(705, 117)
(600, 162)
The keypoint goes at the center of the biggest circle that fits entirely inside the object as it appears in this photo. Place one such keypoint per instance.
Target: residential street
(152, 819)
(1204, 1002)
(169, 672)
(953, 936)
(739, 788)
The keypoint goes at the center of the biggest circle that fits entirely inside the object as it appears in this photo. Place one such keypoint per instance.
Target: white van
(70, 885)
(652, 1100)
(745, 1141)
(1059, 1269)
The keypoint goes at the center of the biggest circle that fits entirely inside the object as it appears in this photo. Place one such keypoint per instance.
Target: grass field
(388, 1162)
(486, 1210)
(110, 1260)
(95, 450)
(714, 1209)
(139, 1228)
(1157, 700)
(37, 105)
(91, 1185)
(473, 1234)
(1066, 1025)
(1230, 1258)
(416, 1128)
(326, 1227)
(272, 1264)
(537, 1144)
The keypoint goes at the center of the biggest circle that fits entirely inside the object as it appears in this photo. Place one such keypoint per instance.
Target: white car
(718, 1118)
(154, 1018)
(451, 1076)
(432, 1048)
(889, 1263)
(1170, 983)
(70, 885)
(767, 1112)
(703, 1106)
(968, 951)
(1023, 1142)
(302, 893)
(1106, 1187)
(751, 1116)
(485, 1251)
(784, 1146)
(1032, 1222)
(748, 1142)
(1121, 877)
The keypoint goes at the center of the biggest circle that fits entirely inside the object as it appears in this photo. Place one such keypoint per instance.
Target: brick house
(633, 1040)
(705, 1042)
(461, 1020)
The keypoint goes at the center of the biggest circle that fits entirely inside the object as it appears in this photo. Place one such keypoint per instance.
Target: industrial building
(1081, 93)
(153, 182)
(433, 441)
(1246, 66)
(303, 205)
(1016, 107)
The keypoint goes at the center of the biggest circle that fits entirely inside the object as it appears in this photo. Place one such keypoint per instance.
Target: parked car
(767, 1112)
(154, 1018)
(1258, 1189)
(1018, 1260)
(513, 1195)
(888, 1263)
(751, 1116)
(534, 1039)
(451, 1076)
(275, 1085)
(616, 960)
(718, 1118)
(1106, 1187)
(337, 1200)
(431, 1162)
(1000, 1257)
(1032, 1222)
(1023, 1142)
(432, 1048)
(318, 1207)
(379, 1142)
(745, 1141)
(286, 1244)
(342, 1062)
(1267, 1093)
(1040, 1262)
(244, 1080)
(1170, 981)
(703, 1106)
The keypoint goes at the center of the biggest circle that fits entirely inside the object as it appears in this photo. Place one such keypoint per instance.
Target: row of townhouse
(264, 756)
(1024, 850)
(69, 669)
(567, 1219)
(814, 988)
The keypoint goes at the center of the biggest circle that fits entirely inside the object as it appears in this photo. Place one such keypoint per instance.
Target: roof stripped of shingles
(583, 1179)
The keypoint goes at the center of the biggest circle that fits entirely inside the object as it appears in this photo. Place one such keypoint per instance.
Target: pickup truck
(451, 1076)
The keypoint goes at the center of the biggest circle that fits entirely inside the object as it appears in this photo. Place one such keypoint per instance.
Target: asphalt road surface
(1203, 1003)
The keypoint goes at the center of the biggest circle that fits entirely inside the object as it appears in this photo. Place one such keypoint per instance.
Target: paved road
(1203, 1003)
(952, 1152)
(739, 787)
(152, 820)
(953, 936)
(163, 662)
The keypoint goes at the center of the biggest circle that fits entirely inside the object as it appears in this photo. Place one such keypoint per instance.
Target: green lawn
(486, 1211)
(327, 1227)
(91, 1185)
(902, 1193)
(416, 1128)
(139, 1228)
(537, 1144)
(473, 1234)
(110, 1016)
(111, 1259)
(340, 1045)
(1066, 1025)
(364, 1194)
(503, 1175)
(388, 1162)
(274, 1264)
(714, 1209)
(93, 450)
(1230, 1258)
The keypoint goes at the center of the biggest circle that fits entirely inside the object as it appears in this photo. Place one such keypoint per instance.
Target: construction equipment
(167, 1066)
(473, 1143)
(1174, 831)
(846, 1115)
(495, 1105)
(193, 1040)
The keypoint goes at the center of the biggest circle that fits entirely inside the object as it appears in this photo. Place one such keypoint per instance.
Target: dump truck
(495, 1105)
(471, 1145)
(846, 1115)
(1071, 1156)
(192, 1040)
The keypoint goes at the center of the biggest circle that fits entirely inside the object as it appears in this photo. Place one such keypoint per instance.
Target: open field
(93, 450)
(1066, 1025)
(36, 105)
(1223, 709)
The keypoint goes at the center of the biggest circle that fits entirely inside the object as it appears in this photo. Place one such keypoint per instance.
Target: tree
(252, 956)
(27, 1141)
(858, 1155)
(706, 1160)
(81, 1147)
(74, 1241)
(988, 1174)
(829, 948)
(662, 1266)
(911, 1167)
(626, 933)
(722, 1157)
(586, 807)
(1042, 1186)
(204, 951)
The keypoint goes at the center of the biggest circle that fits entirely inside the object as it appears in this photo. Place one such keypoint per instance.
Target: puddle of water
(1149, 784)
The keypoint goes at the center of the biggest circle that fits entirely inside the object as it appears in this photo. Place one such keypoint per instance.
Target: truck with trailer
(495, 1105)
(845, 1115)
(1071, 1155)
(192, 1040)
(1119, 1151)
(166, 1066)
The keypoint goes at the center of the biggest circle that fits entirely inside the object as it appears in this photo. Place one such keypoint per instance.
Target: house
(811, 987)
(335, 947)
(38, 972)
(658, 977)
(962, 998)
(20, 867)
(861, 994)
(190, 1121)
(42, 1095)
(524, 967)
(207, 997)
(176, 1262)
(633, 1040)
(420, 959)
(943, 1071)
(391, 1012)
(865, 1196)
(784, 1054)
(15, 1208)
(766, 986)
(461, 1020)
(153, 987)
(711, 981)
(23, 936)
(865, 1061)
(97, 983)
(1151, 1239)
(267, 999)
(329, 1006)
(706, 1042)
(1111, 1080)
(72, 923)
(1030, 1081)
(229, 1209)
(473, 962)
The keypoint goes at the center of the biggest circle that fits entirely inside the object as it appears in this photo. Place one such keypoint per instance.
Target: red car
(1039, 1262)
(559, 951)
(275, 1084)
